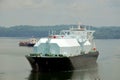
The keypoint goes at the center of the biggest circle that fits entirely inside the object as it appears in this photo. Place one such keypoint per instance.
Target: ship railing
(54, 55)
(35, 55)
(46, 55)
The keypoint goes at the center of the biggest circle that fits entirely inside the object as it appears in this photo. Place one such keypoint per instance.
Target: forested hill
(110, 32)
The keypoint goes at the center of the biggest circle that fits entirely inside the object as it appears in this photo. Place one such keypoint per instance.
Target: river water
(14, 66)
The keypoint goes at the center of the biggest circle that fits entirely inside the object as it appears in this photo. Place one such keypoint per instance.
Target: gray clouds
(48, 12)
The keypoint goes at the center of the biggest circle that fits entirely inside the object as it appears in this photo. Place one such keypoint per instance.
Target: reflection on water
(50, 76)
(89, 72)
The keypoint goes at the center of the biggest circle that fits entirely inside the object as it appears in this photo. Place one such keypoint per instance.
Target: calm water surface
(14, 66)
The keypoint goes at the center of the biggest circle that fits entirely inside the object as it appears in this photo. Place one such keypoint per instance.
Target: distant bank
(105, 32)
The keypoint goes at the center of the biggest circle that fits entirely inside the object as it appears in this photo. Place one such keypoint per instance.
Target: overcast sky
(55, 12)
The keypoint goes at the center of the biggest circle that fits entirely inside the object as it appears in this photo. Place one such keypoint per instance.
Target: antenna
(79, 25)
(49, 33)
(52, 32)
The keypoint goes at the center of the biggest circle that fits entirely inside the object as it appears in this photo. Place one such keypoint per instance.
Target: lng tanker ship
(67, 50)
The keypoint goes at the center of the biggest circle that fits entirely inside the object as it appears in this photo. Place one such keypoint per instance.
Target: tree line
(109, 32)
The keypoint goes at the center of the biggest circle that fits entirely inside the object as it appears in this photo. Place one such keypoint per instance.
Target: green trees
(109, 32)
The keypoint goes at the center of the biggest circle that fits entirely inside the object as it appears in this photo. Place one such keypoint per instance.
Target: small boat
(65, 51)
(31, 42)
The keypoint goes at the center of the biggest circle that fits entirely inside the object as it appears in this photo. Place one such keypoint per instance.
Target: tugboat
(68, 50)
(30, 43)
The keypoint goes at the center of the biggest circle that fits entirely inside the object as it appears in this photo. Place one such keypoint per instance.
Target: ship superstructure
(72, 42)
